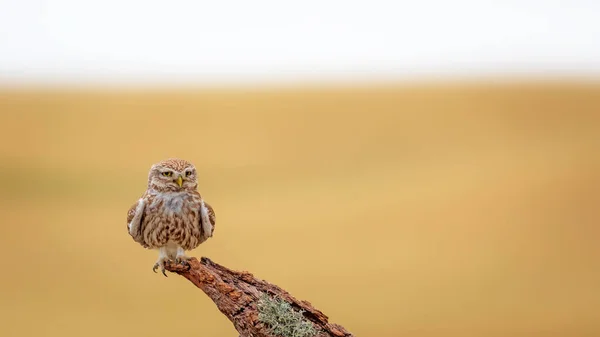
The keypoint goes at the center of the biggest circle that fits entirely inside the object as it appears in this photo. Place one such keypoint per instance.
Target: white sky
(219, 40)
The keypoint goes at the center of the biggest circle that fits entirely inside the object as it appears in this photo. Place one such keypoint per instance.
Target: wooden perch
(237, 295)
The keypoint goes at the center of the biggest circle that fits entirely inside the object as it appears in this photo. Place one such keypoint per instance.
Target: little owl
(171, 215)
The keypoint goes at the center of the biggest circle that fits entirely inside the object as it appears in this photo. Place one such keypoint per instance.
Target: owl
(171, 216)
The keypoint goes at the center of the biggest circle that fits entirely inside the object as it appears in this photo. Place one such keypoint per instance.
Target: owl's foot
(182, 259)
(160, 264)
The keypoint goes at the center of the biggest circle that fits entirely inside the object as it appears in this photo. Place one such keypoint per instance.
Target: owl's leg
(162, 258)
(181, 257)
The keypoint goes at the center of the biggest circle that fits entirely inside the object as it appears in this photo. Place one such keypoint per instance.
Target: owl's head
(172, 175)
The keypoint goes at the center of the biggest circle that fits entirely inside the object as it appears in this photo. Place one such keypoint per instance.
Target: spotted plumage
(171, 215)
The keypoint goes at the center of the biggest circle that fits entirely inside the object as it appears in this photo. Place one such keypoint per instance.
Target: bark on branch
(237, 295)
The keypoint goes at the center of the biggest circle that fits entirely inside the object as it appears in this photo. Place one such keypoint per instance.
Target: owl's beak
(179, 181)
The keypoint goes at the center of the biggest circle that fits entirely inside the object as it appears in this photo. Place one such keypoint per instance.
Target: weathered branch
(237, 295)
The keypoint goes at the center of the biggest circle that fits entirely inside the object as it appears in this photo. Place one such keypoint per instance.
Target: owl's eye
(188, 173)
(167, 174)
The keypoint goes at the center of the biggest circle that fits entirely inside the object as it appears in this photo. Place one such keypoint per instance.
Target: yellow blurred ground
(398, 211)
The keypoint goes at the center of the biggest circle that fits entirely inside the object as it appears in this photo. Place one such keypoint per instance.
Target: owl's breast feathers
(177, 217)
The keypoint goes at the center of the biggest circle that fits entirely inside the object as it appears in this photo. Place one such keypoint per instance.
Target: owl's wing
(135, 217)
(207, 220)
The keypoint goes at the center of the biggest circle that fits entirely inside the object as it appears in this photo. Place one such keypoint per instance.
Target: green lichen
(282, 319)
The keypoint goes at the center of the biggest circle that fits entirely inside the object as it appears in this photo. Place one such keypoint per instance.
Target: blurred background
(410, 168)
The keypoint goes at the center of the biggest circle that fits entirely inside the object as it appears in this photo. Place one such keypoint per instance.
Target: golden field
(423, 210)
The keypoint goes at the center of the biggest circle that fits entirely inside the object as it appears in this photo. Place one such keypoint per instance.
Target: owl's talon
(181, 258)
(159, 264)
